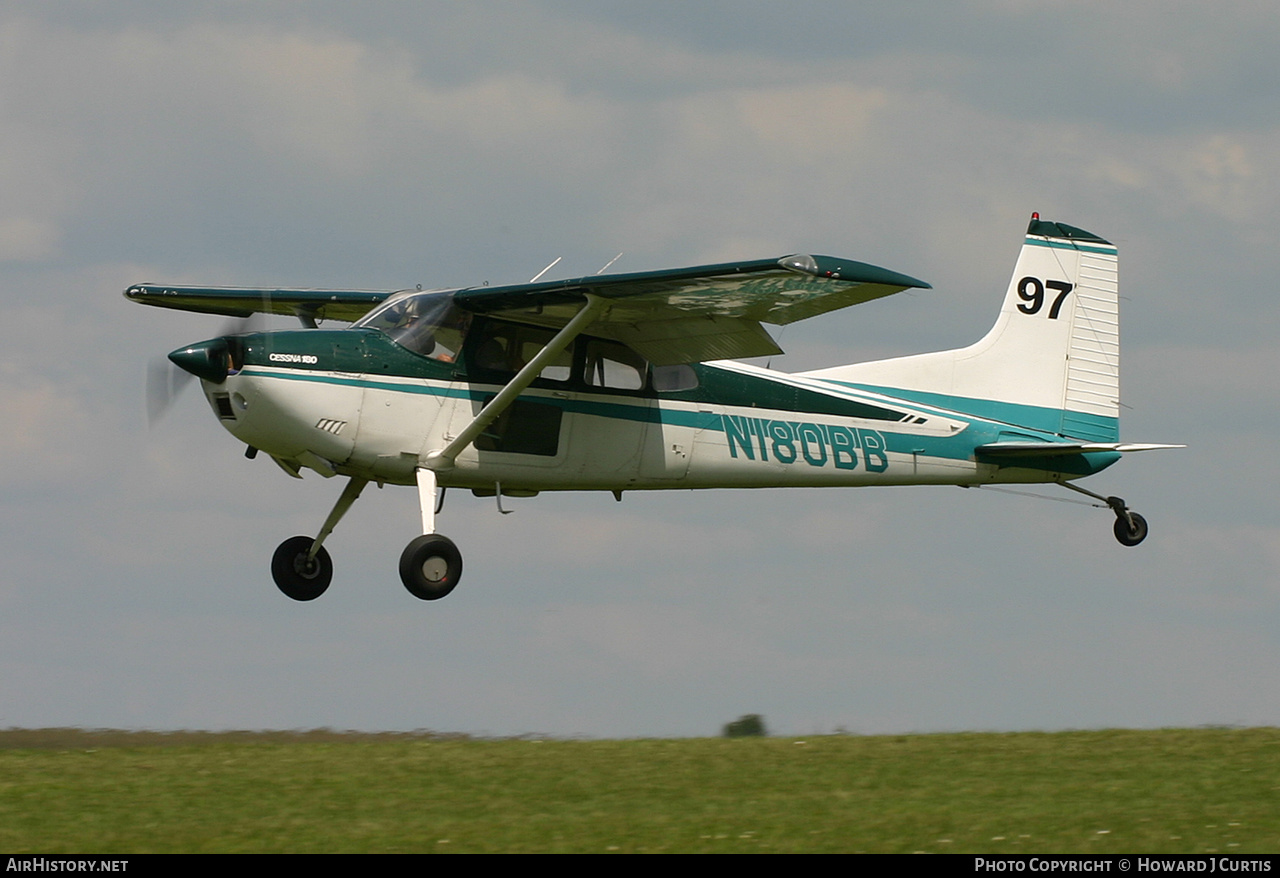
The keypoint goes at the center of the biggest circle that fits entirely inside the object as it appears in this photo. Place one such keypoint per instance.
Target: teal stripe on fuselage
(1095, 428)
(980, 430)
(617, 410)
(744, 391)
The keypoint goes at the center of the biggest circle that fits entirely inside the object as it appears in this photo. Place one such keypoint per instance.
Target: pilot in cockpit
(426, 324)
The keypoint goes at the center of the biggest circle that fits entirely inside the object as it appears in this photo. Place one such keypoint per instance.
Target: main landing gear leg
(431, 564)
(1130, 527)
(301, 566)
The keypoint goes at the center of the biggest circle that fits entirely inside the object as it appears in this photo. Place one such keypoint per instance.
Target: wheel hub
(435, 569)
(430, 567)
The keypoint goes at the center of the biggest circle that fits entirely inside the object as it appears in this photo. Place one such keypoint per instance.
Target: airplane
(627, 382)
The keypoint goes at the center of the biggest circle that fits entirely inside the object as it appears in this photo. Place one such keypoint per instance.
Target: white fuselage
(381, 428)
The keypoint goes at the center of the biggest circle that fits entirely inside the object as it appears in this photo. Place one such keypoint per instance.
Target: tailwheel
(430, 567)
(1130, 527)
(300, 577)
(1132, 531)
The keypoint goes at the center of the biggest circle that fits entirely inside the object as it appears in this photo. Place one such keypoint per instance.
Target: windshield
(426, 323)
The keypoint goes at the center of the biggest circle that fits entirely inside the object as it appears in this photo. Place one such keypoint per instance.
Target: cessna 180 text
(626, 382)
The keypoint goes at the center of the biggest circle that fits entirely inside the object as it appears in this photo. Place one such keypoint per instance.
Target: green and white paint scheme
(627, 382)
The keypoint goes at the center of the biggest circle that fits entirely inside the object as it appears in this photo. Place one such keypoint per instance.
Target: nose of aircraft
(210, 360)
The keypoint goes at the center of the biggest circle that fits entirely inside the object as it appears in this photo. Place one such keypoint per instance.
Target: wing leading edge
(309, 305)
(681, 315)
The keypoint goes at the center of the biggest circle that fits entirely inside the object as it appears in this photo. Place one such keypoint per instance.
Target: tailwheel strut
(1130, 527)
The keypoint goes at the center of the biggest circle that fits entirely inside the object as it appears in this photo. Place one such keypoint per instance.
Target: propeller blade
(255, 322)
(164, 382)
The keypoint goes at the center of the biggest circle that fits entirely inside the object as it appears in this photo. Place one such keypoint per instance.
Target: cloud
(40, 416)
(23, 239)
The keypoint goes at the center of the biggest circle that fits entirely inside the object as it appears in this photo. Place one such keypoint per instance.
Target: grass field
(1167, 791)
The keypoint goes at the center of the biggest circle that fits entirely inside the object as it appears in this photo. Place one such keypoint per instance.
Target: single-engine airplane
(627, 382)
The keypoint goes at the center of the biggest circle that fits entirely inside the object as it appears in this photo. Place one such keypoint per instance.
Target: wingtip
(849, 270)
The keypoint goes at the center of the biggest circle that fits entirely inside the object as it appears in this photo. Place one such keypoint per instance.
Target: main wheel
(1131, 536)
(297, 577)
(430, 567)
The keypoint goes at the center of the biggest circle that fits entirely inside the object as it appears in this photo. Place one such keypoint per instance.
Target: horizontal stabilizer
(1053, 449)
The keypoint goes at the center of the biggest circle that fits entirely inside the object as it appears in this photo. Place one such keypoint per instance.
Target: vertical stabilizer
(1052, 360)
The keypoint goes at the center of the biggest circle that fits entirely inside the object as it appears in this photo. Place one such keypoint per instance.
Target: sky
(384, 145)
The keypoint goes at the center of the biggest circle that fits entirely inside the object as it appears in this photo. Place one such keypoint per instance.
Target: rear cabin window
(669, 379)
(614, 366)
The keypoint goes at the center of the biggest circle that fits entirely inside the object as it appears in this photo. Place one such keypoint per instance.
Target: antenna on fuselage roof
(545, 270)
(610, 262)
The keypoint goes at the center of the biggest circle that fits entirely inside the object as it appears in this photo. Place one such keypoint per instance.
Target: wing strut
(442, 459)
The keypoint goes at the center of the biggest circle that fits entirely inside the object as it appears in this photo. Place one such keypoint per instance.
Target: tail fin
(1052, 360)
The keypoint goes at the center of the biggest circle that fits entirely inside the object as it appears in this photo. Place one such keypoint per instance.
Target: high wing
(681, 315)
(707, 312)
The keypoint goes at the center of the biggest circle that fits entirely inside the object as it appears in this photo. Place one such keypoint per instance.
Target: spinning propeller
(168, 377)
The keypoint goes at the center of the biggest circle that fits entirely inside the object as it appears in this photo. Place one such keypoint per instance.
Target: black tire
(1131, 536)
(294, 575)
(430, 567)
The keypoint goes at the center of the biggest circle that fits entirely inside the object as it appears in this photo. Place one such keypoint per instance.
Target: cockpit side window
(503, 349)
(507, 347)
